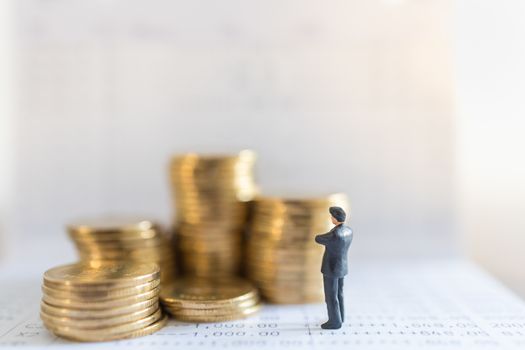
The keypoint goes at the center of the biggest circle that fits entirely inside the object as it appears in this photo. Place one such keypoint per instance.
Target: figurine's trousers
(333, 295)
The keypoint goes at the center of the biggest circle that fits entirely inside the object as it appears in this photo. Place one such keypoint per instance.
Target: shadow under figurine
(335, 266)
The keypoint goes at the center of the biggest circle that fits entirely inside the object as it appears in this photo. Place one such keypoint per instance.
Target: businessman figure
(335, 266)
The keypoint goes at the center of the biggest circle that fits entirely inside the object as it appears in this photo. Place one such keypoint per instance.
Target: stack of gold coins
(205, 300)
(282, 257)
(212, 195)
(101, 301)
(124, 239)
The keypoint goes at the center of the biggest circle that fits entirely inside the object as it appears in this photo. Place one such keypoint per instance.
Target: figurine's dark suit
(334, 268)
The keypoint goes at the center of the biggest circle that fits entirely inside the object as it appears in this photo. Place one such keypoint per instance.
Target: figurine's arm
(324, 238)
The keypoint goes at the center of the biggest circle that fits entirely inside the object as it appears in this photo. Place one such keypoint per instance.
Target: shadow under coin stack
(282, 257)
(124, 239)
(211, 194)
(197, 300)
(102, 301)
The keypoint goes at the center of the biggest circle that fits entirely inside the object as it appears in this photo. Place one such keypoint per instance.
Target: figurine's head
(338, 215)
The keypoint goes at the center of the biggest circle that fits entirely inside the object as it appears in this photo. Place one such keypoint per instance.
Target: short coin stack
(102, 301)
(197, 300)
(211, 194)
(282, 257)
(124, 239)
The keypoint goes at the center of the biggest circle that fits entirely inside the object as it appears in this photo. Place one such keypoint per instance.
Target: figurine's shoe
(330, 325)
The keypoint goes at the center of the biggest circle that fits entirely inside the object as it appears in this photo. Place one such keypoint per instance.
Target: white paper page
(420, 305)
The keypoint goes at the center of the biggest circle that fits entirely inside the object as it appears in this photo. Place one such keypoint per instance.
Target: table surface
(444, 304)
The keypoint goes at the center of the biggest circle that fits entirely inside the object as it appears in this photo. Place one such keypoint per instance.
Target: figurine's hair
(338, 213)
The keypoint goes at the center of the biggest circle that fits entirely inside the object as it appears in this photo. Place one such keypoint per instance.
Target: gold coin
(283, 228)
(137, 250)
(95, 334)
(231, 211)
(109, 236)
(226, 182)
(122, 257)
(276, 283)
(208, 260)
(193, 291)
(210, 197)
(232, 197)
(279, 281)
(272, 255)
(217, 180)
(278, 286)
(94, 323)
(116, 242)
(204, 250)
(271, 250)
(279, 236)
(286, 275)
(266, 252)
(303, 234)
(225, 189)
(152, 328)
(281, 252)
(275, 295)
(197, 219)
(168, 262)
(210, 269)
(148, 330)
(221, 166)
(279, 266)
(251, 298)
(274, 290)
(213, 308)
(206, 244)
(79, 313)
(193, 158)
(220, 257)
(278, 297)
(219, 318)
(208, 217)
(111, 224)
(98, 274)
(121, 244)
(100, 295)
(207, 273)
(295, 300)
(229, 237)
(168, 265)
(278, 257)
(97, 305)
(314, 276)
(214, 262)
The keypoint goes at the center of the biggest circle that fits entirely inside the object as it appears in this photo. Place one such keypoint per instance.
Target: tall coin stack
(197, 300)
(101, 301)
(124, 239)
(211, 194)
(282, 257)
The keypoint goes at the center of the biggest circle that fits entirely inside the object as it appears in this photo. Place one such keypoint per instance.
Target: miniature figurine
(335, 267)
